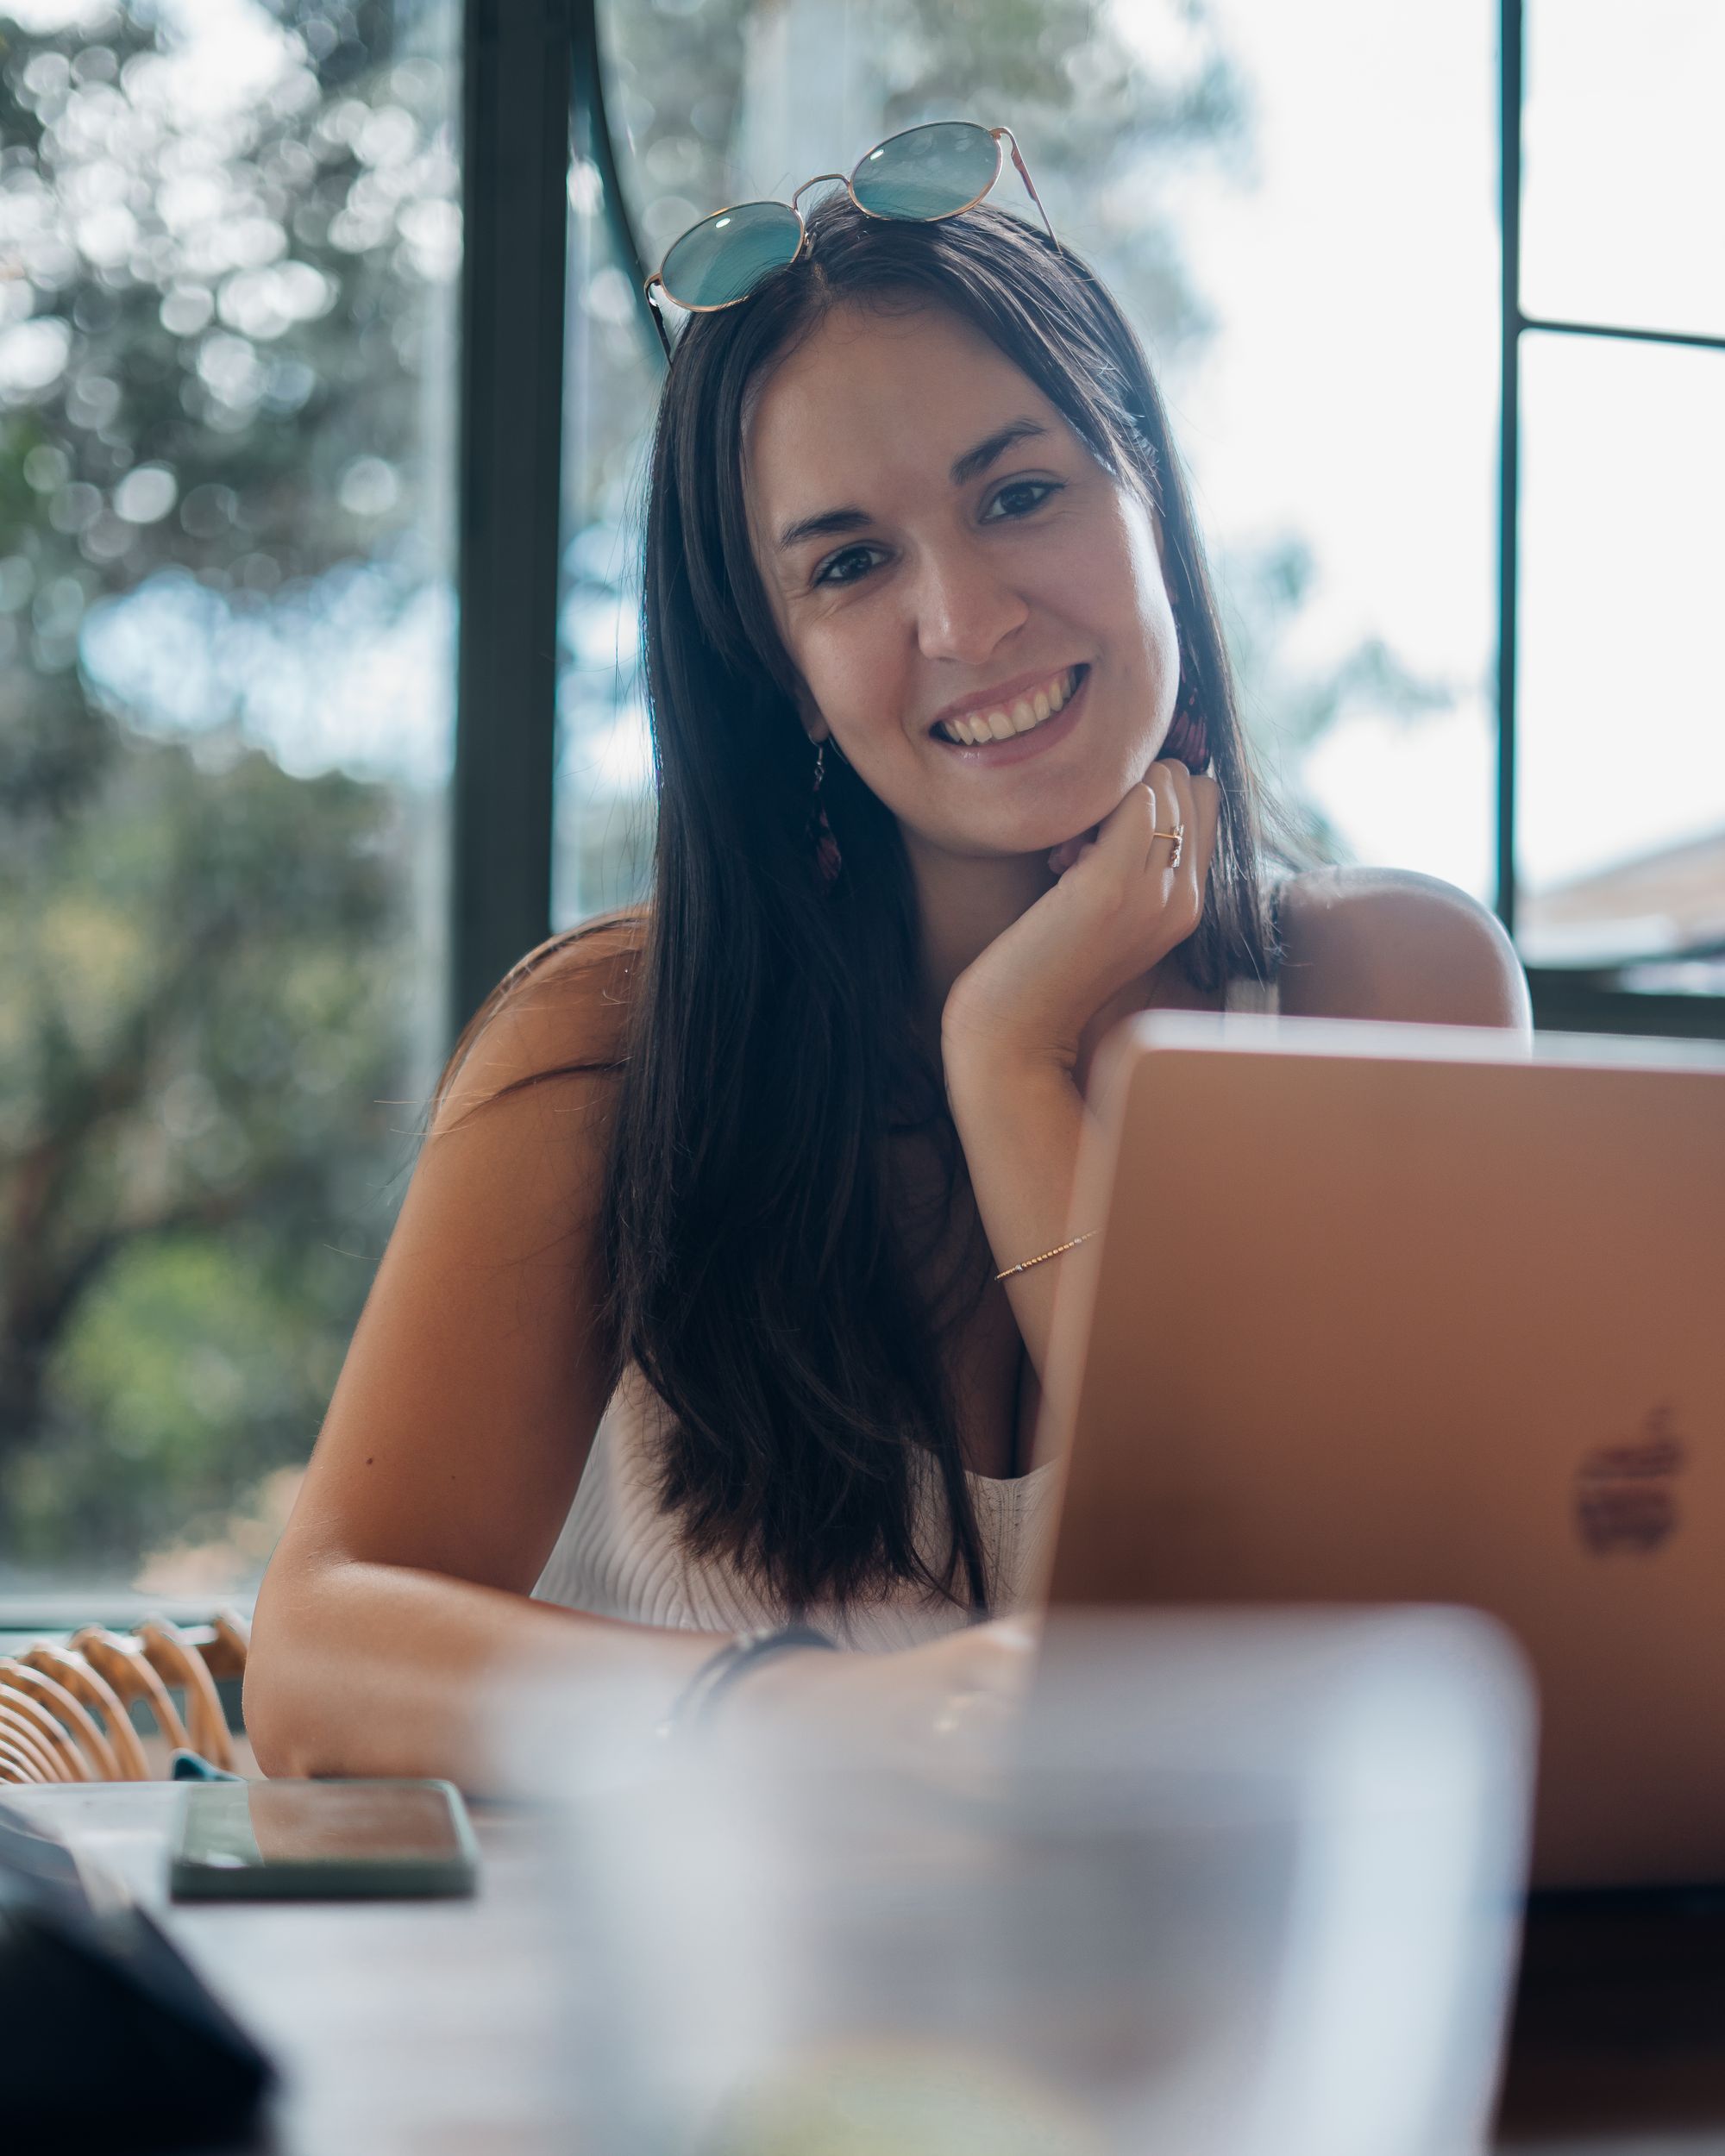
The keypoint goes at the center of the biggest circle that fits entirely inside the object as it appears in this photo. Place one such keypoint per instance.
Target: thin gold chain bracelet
(1025, 1264)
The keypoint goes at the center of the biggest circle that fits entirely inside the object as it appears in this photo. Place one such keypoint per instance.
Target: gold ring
(1178, 835)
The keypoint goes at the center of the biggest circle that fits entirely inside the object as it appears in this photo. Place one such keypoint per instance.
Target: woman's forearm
(1020, 1121)
(367, 1669)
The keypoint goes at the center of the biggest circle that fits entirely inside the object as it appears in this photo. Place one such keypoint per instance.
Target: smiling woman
(758, 1182)
(934, 482)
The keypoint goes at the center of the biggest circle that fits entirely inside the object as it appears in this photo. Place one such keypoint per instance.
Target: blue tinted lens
(928, 171)
(724, 258)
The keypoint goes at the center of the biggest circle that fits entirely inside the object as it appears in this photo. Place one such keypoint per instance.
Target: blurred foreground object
(113, 2041)
(65, 1710)
(1238, 1883)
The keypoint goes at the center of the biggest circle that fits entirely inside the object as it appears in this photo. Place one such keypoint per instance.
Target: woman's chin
(1052, 846)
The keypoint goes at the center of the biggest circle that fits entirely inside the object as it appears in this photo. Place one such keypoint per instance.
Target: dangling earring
(1188, 739)
(828, 860)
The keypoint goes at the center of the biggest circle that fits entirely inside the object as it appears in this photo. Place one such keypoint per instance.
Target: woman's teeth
(1015, 718)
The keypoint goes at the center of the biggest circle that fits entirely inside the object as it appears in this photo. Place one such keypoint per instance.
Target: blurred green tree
(225, 249)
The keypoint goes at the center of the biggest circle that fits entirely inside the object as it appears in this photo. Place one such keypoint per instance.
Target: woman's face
(937, 543)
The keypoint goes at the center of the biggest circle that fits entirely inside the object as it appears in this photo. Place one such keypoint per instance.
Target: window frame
(1576, 999)
(517, 84)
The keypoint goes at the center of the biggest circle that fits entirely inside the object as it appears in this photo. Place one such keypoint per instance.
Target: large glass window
(228, 240)
(1296, 208)
(1623, 163)
(1341, 415)
(1620, 719)
(1620, 713)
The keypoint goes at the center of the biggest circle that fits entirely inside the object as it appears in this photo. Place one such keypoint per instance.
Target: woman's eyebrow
(970, 466)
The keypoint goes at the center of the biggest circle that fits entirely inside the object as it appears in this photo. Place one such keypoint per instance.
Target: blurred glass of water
(1230, 1883)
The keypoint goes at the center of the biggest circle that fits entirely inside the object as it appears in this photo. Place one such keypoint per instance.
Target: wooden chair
(24, 1730)
(65, 1712)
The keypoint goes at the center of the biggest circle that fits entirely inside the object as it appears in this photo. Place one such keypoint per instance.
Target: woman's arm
(1016, 1019)
(459, 1425)
(1359, 943)
(366, 1667)
(399, 1599)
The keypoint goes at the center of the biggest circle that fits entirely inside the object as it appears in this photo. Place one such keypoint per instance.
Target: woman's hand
(1118, 908)
(953, 1698)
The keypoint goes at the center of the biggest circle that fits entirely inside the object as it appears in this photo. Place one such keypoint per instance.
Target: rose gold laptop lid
(1398, 1313)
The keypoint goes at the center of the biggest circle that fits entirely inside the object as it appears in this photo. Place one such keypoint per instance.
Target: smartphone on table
(321, 1839)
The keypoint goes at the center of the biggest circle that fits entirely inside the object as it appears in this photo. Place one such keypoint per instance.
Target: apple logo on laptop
(1624, 1494)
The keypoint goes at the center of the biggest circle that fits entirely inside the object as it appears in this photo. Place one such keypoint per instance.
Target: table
(421, 2026)
(431, 2029)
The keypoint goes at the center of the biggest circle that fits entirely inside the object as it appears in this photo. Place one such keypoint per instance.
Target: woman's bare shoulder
(563, 1010)
(1392, 943)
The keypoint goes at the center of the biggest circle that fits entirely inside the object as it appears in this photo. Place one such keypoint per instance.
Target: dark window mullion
(1509, 181)
(515, 151)
(1554, 327)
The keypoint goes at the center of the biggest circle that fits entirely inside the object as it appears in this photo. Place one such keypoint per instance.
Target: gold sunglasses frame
(997, 135)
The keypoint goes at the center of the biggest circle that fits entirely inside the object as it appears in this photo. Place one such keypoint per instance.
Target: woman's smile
(1018, 727)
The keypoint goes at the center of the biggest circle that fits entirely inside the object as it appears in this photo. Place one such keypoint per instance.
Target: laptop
(1384, 1313)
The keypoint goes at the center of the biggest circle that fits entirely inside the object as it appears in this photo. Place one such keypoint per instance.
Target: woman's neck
(963, 904)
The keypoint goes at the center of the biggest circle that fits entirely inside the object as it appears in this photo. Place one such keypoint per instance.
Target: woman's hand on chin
(1120, 905)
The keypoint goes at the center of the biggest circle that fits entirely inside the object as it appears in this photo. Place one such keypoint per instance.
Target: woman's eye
(1040, 488)
(1020, 492)
(830, 571)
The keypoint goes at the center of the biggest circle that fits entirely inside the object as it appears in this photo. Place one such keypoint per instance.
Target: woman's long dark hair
(762, 1264)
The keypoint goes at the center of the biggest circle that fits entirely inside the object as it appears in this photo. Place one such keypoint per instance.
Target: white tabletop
(437, 2027)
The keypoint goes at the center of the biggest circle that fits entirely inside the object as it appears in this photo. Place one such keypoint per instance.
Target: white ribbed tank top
(619, 1555)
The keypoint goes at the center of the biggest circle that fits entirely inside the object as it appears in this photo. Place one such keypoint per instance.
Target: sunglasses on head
(919, 177)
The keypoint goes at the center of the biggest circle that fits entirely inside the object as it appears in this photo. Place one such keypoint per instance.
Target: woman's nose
(964, 611)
